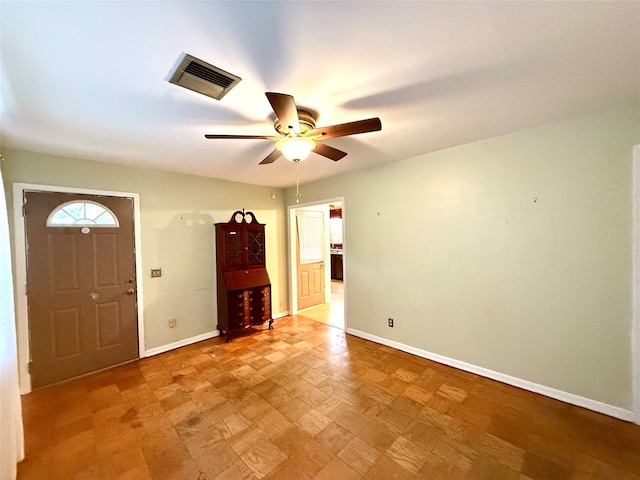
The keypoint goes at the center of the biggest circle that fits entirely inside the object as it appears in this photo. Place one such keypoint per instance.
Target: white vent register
(201, 77)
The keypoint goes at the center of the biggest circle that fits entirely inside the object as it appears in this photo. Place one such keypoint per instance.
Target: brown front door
(81, 289)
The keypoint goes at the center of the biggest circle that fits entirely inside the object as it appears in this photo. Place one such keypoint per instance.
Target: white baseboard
(188, 341)
(563, 396)
(181, 343)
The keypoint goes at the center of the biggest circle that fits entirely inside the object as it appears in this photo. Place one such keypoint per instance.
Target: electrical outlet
(172, 323)
(156, 272)
(390, 321)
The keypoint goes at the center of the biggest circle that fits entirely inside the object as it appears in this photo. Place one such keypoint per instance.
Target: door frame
(635, 320)
(20, 257)
(293, 270)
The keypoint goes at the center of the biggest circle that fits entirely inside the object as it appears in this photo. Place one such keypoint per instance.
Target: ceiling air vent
(199, 76)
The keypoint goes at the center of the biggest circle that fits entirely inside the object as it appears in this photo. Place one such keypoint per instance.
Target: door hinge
(30, 366)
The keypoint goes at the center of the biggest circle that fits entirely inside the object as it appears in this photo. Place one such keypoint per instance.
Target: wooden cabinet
(336, 266)
(244, 289)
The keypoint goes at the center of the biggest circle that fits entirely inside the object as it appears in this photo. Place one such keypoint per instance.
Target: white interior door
(310, 257)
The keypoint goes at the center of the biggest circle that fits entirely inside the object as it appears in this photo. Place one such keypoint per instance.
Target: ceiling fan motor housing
(307, 120)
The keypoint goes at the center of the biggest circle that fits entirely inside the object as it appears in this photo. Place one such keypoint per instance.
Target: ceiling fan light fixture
(296, 149)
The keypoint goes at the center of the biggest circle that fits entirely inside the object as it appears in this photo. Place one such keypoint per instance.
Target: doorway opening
(317, 261)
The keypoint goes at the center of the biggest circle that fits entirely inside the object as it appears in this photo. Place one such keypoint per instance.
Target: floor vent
(199, 76)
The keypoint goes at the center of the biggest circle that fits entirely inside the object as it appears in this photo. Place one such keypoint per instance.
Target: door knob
(129, 280)
(131, 291)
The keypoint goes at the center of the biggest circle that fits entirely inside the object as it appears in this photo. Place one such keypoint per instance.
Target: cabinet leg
(271, 324)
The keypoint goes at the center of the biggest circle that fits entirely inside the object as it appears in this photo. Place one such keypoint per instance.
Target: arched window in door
(82, 213)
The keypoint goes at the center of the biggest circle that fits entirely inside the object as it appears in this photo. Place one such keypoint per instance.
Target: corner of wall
(635, 318)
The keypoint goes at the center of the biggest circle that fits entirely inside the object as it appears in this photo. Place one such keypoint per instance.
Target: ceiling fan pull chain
(297, 183)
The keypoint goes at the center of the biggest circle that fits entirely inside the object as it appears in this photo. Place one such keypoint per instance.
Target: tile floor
(306, 401)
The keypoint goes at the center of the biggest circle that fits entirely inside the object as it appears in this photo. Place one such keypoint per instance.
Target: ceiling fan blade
(329, 152)
(242, 137)
(285, 108)
(344, 129)
(272, 157)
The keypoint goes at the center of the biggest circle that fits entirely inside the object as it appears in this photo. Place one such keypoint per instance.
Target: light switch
(156, 272)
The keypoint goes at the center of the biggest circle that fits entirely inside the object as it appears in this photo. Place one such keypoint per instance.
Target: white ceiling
(89, 79)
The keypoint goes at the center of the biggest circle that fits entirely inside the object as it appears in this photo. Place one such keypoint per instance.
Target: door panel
(105, 257)
(81, 316)
(108, 321)
(63, 267)
(304, 284)
(66, 332)
(318, 277)
(310, 284)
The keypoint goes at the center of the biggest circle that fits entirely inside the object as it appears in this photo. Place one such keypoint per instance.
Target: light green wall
(177, 216)
(450, 244)
(513, 254)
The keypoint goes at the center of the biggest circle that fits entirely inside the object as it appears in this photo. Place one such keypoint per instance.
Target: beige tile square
(310, 456)
(453, 393)
(337, 469)
(313, 422)
(334, 437)
(359, 455)
(263, 458)
(408, 454)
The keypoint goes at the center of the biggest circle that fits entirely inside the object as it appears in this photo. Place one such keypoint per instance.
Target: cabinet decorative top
(243, 217)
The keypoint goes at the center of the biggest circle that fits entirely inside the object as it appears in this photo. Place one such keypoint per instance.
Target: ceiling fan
(298, 135)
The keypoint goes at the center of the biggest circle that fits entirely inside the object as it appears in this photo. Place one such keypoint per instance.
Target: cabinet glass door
(232, 247)
(255, 246)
